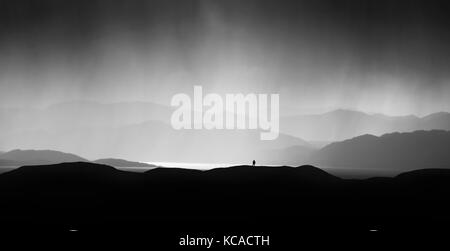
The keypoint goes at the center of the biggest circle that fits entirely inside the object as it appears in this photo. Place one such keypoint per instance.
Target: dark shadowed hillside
(94, 197)
(398, 151)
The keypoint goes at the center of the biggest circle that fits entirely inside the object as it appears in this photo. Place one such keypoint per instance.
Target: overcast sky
(390, 57)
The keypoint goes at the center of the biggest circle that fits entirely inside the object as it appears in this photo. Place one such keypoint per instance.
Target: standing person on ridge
(254, 162)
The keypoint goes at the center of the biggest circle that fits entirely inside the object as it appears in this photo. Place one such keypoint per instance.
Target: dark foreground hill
(166, 203)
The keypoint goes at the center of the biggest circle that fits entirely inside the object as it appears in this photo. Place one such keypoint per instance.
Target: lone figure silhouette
(254, 162)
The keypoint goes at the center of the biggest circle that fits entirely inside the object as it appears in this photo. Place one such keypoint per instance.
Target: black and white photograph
(225, 124)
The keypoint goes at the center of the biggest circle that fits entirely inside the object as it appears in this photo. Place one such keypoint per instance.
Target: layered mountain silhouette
(156, 141)
(94, 196)
(38, 157)
(19, 157)
(395, 151)
(341, 124)
(142, 131)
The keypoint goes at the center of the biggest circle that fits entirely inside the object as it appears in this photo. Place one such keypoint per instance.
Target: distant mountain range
(397, 151)
(39, 157)
(345, 124)
(141, 131)
(155, 141)
(137, 131)
(394, 151)
(47, 157)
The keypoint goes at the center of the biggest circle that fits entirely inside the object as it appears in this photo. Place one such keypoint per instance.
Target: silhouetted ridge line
(344, 124)
(121, 163)
(40, 157)
(81, 193)
(67, 168)
(425, 175)
(395, 151)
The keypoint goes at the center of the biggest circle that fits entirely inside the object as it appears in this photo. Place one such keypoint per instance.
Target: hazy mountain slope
(138, 131)
(403, 151)
(293, 156)
(159, 142)
(40, 157)
(344, 124)
(155, 141)
(7, 162)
